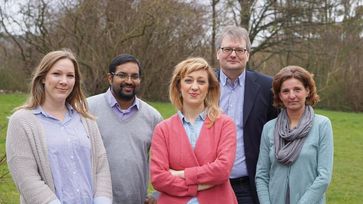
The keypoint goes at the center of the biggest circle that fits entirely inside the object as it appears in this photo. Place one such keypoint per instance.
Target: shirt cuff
(55, 202)
(155, 195)
(102, 200)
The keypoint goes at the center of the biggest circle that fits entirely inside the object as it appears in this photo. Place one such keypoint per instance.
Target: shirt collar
(202, 116)
(39, 110)
(112, 102)
(241, 78)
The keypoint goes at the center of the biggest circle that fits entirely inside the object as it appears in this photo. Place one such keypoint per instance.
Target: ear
(217, 53)
(109, 78)
(307, 92)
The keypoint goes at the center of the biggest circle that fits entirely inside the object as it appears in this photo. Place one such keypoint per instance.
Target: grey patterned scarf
(289, 142)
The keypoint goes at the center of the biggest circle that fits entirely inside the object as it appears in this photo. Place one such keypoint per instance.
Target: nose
(195, 85)
(292, 94)
(128, 80)
(233, 53)
(63, 80)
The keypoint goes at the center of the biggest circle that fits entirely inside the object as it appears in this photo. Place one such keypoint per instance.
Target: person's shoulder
(321, 119)
(169, 122)
(147, 108)
(22, 116)
(270, 124)
(225, 117)
(21, 113)
(224, 120)
(94, 98)
(258, 76)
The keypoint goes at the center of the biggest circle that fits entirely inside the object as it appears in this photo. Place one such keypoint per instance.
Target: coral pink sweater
(209, 163)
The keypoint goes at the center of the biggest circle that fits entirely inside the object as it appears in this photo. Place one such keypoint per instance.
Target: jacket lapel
(251, 90)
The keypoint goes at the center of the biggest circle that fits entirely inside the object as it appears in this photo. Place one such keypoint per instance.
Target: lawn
(348, 150)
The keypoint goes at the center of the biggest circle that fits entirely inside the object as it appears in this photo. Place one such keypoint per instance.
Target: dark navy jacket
(257, 110)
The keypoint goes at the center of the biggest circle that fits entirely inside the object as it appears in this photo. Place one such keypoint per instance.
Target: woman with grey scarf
(296, 154)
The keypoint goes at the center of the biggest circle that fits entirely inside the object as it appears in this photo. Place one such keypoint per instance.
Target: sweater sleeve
(218, 171)
(22, 163)
(161, 178)
(103, 186)
(325, 165)
(263, 168)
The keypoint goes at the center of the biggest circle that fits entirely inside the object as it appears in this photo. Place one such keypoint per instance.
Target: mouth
(233, 61)
(127, 89)
(293, 102)
(62, 89)
(193, 94)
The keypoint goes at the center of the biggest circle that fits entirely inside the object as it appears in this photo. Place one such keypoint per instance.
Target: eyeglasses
(229, 50)
(125, 76)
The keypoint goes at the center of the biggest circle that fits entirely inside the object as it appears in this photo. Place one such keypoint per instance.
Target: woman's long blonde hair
(211, 101)
(37, 92)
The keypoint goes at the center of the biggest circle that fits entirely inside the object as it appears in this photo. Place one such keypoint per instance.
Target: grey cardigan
(28, 163)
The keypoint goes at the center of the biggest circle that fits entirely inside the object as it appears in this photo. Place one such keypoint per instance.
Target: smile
(61, 89)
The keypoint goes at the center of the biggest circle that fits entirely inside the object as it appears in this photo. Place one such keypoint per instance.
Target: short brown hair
(299, 73)
(188, 66)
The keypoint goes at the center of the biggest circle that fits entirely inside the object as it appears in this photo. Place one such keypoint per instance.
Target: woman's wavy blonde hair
(211, 101)
(37, 90)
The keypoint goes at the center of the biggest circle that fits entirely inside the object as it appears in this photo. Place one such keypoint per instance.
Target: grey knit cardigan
(27, 159)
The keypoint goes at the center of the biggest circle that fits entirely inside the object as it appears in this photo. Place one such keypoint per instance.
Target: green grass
(348, 150)
(8, 192)
(347, 183)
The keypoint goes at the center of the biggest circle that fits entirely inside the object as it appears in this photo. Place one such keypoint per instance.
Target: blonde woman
(54, 149)
(192, 152)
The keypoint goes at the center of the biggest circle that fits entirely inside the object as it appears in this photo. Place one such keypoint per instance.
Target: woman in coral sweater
(193, 151)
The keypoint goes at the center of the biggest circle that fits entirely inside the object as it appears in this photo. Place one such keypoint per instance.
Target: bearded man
(126, 124)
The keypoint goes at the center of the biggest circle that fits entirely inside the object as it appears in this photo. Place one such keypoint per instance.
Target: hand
(177, 173)
(202, 187)
(150, 200)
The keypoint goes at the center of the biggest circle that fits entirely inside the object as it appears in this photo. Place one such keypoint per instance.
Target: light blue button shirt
(231, 102)
(69, 153)
(122, 114)
(193, 131)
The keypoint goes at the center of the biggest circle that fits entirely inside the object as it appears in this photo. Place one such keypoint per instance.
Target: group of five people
(238, 136)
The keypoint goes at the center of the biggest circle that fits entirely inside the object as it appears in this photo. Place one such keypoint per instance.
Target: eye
(121, 75)
(228, 49)
(56, 73)
(135, 76)
(202, 82)
(188, 81)
(71, 76)
(284, 91)
(240, 50)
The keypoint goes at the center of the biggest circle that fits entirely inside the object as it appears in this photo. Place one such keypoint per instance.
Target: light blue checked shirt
(231, 102)
(69, 153)
(193, 131)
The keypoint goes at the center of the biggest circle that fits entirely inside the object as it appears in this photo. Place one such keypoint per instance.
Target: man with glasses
(126, 124)
(246, 96)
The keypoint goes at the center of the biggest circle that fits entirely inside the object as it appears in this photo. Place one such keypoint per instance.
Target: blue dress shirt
(69, 153)
(231, 102)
